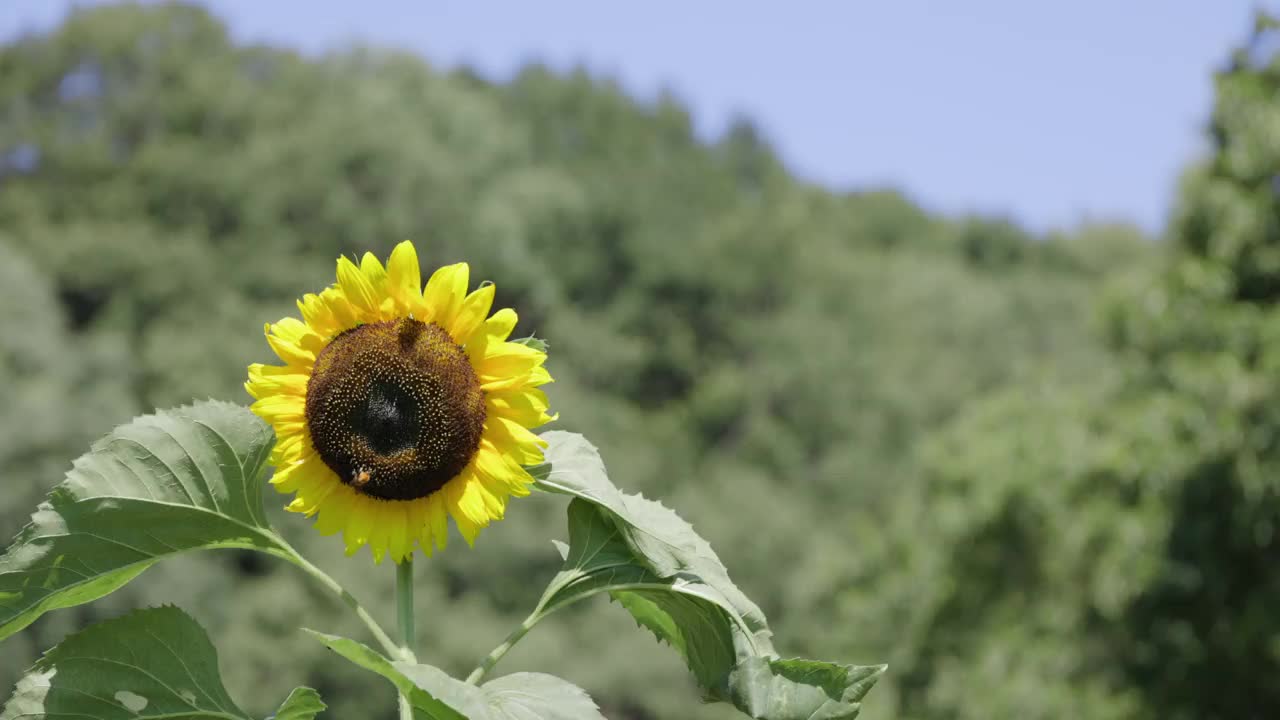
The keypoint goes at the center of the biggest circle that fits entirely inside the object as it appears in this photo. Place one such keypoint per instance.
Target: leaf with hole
(434, 695)
(149, 664)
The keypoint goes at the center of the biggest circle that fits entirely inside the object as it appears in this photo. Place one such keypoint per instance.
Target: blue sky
(1051, 112)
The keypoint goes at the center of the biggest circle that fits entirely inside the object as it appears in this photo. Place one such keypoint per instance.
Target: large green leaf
(162, 484)
(671, 581)
(695, 619)
(147, 665)
(434, 695)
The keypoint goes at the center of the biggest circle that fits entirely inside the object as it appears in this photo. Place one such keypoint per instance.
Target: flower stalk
(404, 613)
(348, 599)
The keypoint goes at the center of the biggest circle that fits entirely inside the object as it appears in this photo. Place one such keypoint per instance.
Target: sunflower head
(399, 406)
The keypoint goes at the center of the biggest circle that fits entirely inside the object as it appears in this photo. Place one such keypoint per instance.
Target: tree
(1102, 543)
(788, 348)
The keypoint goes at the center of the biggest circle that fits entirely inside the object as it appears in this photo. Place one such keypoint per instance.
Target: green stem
(545, 608)
(404, 606)
(404, 611)
(324, 579)
(496, 654)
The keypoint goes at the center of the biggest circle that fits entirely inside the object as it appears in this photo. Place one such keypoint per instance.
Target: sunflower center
(395, 408)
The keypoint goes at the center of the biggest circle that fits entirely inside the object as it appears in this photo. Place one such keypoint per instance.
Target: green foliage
(799, 689)
(525, 695)
(302, 704)
(667, 576)
(432, 694)
(155, 663)
(436, 696)
(163, 484)
(1115, 530)
(192, 479)
(1035, 474)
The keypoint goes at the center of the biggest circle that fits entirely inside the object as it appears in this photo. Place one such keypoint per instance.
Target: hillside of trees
(1036, 474)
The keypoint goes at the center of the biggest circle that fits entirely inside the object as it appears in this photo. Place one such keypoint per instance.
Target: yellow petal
(506, 359)
(508, 383)
(521, 434)
(493, 495)
(379, 530)
(515, 440)
(272, 380)
(466, 528)
(501, 323)
(319, 316)
(295, 331)
(290, 352)
(416, 524)
(294, 477)
(497, 471)
(404, 281)
(539, 376)
(468, 499)
(311, 496)
(280, 408)
(438, 520)
(525, 405)
(284, 429)
(392, 519)
(398, 542)
(472, 314)
(477, 345)
(374, 273)
(357, 289)
(258, 371)
(289, 447)
(344, 313)
(334, 510)
(444, 293)
(359, 525)
(315, 499)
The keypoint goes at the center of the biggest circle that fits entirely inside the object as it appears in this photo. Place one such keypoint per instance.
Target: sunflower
(399, 406)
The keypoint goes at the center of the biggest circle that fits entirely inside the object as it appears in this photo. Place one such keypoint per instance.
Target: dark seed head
(395, 409)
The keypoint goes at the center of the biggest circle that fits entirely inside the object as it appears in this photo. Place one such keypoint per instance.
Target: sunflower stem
(404, 606)
(324, 579)
(404, 611)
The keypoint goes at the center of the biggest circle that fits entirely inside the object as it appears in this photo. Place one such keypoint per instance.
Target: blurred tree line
(1036, 474)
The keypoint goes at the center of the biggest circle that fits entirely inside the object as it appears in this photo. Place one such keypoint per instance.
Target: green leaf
(689, 616)
(695, 627)
(155, 663)
(302, 704)
(431, 692)
(523, 695)
(177, 480)
(434, 695)
(801, 689)
(536, 343)
(596, 558)
(658, 539)
(671, 581)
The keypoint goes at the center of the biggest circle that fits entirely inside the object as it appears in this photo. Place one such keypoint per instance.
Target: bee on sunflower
(399, 406)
